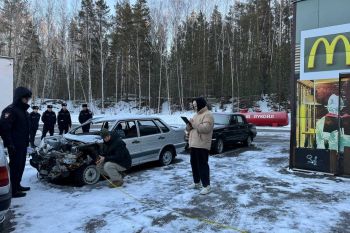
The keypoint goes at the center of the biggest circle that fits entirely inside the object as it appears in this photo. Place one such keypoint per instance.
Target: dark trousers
(63, 130)
(32, 137)
(86, 128)
(17, 164)
(47, 129)
(200, 166)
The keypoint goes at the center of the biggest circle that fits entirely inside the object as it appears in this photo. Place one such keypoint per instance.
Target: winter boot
(116, 184)
(205, 190)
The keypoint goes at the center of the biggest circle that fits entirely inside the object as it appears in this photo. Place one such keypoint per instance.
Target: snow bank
(127, 109)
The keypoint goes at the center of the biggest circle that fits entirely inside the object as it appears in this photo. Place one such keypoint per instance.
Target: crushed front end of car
(57, 157)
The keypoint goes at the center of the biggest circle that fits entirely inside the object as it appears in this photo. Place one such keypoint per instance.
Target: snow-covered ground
(252, 191)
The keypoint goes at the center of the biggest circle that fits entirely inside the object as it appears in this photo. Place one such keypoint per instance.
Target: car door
(167, 136)
(151, 140)
(242, 128)
(233, 130)
(131, 139)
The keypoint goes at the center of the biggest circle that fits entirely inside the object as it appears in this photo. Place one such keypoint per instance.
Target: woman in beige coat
(201, 132)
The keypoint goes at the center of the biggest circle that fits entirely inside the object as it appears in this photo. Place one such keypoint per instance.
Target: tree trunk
(89, 70)
(74, 79)
(182, 88)
(138, 70)
(222, 60)
(168, 87)
(232, 79)
(116, 80)
(149, 85)
(178, 81)
(160, 80)
(128, 76)
(82, 88)
(122, 81)
(102, 75)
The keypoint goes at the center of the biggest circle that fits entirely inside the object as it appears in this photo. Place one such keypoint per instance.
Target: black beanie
(201, 103)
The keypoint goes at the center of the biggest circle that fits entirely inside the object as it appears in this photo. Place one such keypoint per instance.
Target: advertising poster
(323, 123)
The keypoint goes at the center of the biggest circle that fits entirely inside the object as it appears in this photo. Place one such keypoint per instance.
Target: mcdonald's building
(320, 133)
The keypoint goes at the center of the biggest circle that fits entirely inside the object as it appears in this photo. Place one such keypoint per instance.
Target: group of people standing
(49, 119)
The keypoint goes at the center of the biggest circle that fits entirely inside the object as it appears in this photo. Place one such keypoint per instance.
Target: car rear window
(148, 127)
(162, 126)
(240, 120)
(221, 119)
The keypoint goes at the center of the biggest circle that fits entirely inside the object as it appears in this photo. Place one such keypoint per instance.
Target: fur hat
(104, 133)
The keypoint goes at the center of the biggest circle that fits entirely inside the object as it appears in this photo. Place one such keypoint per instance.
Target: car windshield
(95, 127)
(221, 119)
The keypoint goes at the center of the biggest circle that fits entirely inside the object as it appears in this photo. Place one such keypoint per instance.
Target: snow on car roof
(227, 113)
(99, 119)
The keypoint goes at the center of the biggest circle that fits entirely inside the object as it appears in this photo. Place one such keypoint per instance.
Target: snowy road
(252, 191)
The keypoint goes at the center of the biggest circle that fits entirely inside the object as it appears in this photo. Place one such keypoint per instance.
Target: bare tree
(159, 36)
(65, 46)
(178, 7)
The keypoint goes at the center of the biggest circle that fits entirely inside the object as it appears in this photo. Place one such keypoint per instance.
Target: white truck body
(6, 82)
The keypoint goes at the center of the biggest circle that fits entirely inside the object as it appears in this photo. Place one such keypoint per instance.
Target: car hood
(83, 138)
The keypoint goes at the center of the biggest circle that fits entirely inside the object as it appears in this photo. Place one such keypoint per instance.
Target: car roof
(98, 119)
(227, 113)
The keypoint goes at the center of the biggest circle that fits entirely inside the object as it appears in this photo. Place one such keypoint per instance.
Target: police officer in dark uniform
(64, 120)
(34, 124)
(49, 119)
(84, 116)
(1, 127)
(15, 133)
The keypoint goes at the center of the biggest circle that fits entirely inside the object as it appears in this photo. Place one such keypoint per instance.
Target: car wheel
(87, 175)
(219, 146)
(167, 156)
(248, 141)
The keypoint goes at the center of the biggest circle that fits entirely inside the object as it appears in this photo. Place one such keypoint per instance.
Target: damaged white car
(74, 154)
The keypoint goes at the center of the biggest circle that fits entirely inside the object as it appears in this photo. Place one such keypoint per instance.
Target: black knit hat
(84, 105)
(104, 133)
(64, 104)
(201, 103)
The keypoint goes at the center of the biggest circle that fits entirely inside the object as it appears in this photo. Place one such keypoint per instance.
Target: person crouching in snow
(201, 132)
(115, 158)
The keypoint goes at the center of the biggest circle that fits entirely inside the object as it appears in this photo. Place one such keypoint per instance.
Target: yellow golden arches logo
(329, 50)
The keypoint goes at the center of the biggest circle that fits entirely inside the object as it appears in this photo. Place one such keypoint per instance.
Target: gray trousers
(112, 170)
